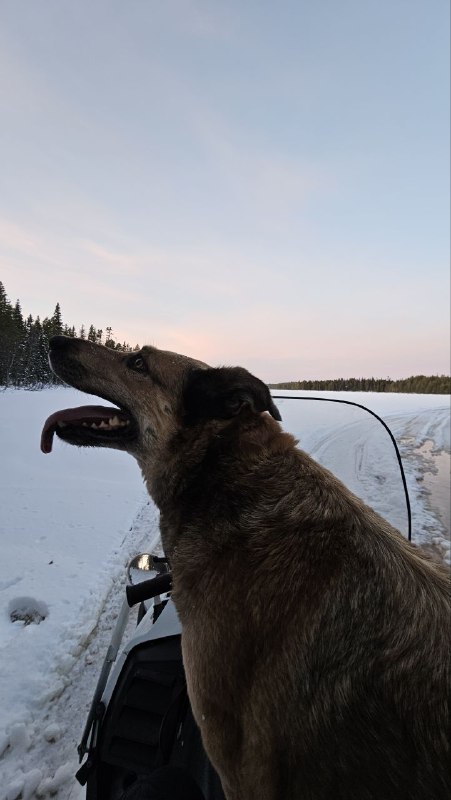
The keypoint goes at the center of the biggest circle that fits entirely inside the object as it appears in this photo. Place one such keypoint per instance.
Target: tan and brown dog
(315, 638)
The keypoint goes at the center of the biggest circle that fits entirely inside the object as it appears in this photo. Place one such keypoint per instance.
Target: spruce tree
(12, 335)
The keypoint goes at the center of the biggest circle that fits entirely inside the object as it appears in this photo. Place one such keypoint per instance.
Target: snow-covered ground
(70, 522)
(355, 446)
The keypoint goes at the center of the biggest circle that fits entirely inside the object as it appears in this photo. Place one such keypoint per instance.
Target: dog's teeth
(112, 424)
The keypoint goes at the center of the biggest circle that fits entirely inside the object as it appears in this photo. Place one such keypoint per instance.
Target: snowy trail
(424, 442)
(64, 548)
(46, 747)
(420, 427)
(356, 448)
(371, 469)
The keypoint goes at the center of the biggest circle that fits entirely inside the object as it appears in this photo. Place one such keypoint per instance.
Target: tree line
(24, 344)
(416, 384)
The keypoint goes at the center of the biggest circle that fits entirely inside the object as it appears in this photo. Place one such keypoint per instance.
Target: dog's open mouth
(89, 426)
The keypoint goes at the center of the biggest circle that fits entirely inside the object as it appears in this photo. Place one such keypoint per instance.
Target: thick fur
(315, 637)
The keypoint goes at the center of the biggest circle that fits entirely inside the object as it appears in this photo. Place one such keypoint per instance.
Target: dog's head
(157, 394)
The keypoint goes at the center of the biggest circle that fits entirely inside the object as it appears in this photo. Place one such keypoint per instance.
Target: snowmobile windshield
(352, 443)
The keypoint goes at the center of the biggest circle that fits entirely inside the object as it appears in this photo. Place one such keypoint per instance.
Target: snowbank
(63, 524)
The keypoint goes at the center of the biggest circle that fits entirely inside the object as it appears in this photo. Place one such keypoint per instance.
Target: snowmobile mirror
(145, 566)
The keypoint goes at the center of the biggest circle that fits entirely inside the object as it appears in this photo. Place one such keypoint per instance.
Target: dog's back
(315, 637)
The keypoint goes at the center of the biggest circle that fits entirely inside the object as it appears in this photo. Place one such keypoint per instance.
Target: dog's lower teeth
(112, 424)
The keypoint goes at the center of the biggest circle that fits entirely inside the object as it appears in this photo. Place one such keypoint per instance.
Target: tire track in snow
(414, 432)
(362, 456)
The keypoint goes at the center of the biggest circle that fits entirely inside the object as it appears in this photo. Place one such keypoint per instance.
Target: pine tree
(109, 341)
(28, 355)
(42, 373)
(53, 326)
(36, 367)
(12, 335)
(56, 321)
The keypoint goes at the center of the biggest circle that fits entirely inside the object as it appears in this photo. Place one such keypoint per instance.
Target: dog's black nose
(61, 342)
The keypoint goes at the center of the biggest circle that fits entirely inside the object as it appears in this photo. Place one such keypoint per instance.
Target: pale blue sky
(253, 183)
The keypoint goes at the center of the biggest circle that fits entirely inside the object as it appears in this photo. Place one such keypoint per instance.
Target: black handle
(148, 589)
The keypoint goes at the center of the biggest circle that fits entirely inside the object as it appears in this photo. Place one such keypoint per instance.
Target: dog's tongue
(73, 416)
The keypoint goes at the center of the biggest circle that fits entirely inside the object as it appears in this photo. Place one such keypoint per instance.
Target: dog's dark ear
(222, 393)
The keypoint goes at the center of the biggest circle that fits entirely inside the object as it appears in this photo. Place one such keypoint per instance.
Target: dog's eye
(138, 364)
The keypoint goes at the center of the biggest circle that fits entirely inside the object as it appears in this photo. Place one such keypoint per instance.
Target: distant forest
(24, 344)
(417, 384)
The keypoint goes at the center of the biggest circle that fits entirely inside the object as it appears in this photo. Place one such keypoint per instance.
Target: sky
(258, 183)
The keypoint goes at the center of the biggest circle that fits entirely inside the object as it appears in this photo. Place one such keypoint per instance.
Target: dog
(314, 636)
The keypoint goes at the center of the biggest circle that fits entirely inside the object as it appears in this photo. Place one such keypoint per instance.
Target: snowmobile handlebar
(147, 589)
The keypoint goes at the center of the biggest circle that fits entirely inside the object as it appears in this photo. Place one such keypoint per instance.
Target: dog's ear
(222, 393)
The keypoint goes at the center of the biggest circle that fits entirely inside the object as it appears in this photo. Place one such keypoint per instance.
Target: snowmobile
(140, 720)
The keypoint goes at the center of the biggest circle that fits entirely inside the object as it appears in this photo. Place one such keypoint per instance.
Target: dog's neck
(175, 464)
(206, 472)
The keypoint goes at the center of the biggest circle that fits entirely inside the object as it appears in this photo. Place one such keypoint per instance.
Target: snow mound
(27, 610)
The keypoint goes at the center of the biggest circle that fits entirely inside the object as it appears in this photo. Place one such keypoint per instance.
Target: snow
(71, 520)
(355, 446)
